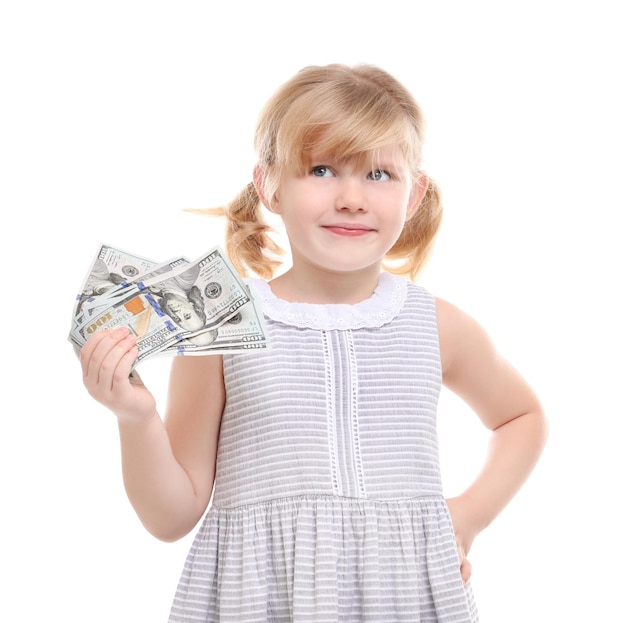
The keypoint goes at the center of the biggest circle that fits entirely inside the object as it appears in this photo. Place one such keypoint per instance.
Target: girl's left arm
(474, 370)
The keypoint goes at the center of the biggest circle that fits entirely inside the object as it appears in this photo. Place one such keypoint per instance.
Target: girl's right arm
(168, 464)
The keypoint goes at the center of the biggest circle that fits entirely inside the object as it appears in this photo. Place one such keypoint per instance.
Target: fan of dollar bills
(174, 308)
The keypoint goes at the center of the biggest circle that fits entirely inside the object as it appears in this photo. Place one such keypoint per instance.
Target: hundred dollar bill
(109, 268)
(201, 295)
(123, 288)
(243, 331)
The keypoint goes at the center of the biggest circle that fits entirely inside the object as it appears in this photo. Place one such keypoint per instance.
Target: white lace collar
(379, 309)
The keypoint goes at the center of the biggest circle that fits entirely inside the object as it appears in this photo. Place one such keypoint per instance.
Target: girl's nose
(351, 195)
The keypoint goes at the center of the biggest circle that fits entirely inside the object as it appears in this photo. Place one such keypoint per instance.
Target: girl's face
(345, 217)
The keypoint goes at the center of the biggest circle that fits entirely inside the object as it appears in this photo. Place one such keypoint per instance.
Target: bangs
(351, 127)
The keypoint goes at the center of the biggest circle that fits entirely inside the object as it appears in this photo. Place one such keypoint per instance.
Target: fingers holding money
(106, 360)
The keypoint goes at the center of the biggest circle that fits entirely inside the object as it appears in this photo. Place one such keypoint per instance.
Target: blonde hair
(349, 112)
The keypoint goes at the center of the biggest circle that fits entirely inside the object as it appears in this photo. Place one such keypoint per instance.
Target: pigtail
(415, 243)
(248, 243)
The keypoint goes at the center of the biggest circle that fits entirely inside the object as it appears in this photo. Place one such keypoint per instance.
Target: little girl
(320, 454)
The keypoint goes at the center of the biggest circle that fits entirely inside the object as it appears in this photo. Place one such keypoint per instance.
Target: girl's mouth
(348, 230)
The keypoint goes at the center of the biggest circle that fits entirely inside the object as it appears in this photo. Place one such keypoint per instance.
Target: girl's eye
(378, 175)
(321, 171)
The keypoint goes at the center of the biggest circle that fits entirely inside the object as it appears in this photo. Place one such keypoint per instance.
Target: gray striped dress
(328, 501)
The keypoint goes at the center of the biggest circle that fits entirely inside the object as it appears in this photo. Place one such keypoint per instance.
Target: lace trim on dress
(382, 307)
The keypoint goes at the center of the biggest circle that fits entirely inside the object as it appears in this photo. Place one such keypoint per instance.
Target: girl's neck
(322, 287)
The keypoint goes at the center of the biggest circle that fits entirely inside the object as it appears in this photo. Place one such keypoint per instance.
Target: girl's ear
(417, 195)
(258, 178)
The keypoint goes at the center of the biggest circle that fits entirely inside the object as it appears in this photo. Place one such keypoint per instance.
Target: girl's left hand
(464, 534)
(466, 565)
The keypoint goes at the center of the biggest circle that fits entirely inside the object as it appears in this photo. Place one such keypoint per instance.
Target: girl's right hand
(106, 359)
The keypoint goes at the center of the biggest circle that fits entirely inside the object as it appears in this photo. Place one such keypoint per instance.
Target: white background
(115, 116)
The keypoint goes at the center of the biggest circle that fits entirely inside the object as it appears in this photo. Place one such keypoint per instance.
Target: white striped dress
(328, 501)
